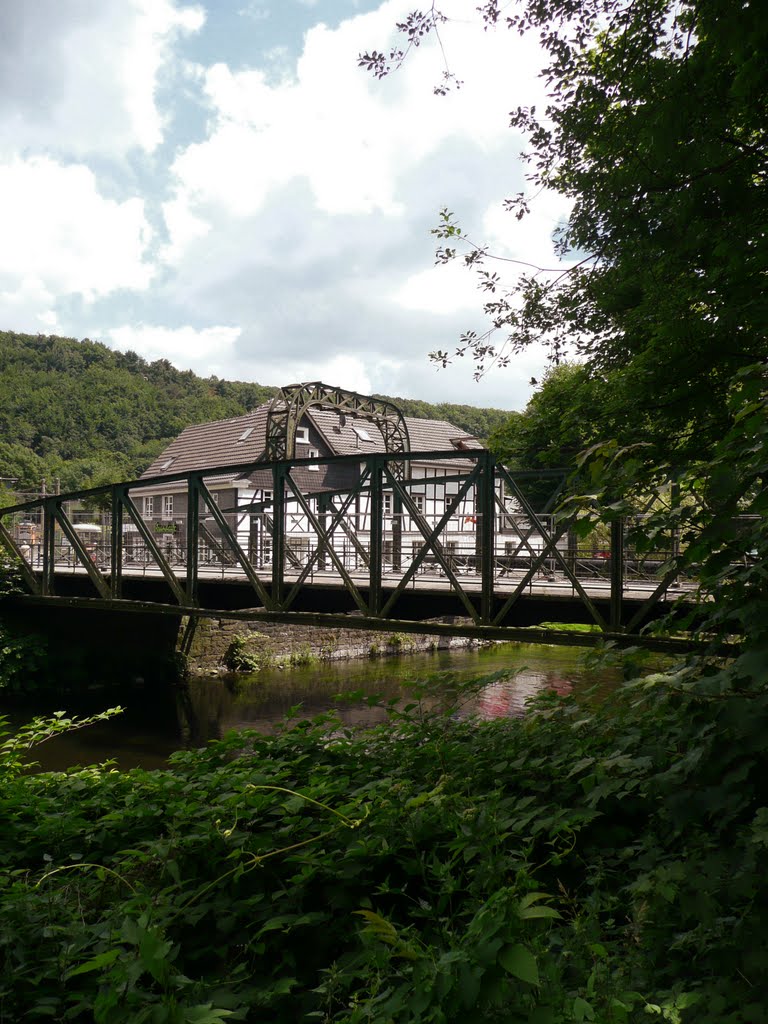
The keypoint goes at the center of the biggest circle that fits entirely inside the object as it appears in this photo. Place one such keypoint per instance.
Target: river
(159, 720)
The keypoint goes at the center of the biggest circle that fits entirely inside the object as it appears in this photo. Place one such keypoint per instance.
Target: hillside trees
(83, 414)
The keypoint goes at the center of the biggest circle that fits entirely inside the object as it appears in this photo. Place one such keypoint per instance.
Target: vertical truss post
(116, 578)
(279, 472)
(617, 573)
(376, 548)
(674, 499)
(397, 532)
(485, 534)
(323, 508)
(49, 542)
(193, 537)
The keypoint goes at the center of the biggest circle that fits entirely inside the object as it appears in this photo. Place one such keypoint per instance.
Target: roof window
(362, 433)
(167, 463)
(245, 434)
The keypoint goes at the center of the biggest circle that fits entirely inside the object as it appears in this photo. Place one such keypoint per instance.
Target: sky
(220, 185)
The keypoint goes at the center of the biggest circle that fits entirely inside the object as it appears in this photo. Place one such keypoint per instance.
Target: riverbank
(215, 646)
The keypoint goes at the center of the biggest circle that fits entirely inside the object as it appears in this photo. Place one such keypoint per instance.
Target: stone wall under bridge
(219, 645)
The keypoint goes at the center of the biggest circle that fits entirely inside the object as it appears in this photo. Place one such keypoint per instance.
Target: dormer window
(302, 435)
(245, 434)
(362, 433)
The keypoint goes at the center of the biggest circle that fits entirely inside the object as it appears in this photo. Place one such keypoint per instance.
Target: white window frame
(302, 435)
(418, 500)
(149, 505)
(387, 503)
(313, 453)
(167, 505)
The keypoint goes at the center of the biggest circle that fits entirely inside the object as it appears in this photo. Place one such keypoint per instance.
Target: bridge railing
(455, 519)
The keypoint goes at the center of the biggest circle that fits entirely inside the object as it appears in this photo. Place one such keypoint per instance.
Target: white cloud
(81, 77)
(27, 306)
(353, 139)
(345, 371)
(442, 290)
(62, 237)
(297, 216)
(206, 350)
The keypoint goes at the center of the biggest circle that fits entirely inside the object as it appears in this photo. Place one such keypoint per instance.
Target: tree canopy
(655, 129)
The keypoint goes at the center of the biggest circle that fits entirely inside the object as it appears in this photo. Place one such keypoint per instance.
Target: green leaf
(582, 1010)
(520, 962)
(96, 963)
(532, 912)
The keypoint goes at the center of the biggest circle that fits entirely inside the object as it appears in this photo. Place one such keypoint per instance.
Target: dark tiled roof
(217, 443)
(208, 445)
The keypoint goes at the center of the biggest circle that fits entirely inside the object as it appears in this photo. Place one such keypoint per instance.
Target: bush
(580, 865)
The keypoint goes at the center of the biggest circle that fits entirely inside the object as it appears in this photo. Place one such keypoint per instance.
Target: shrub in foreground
(600, 864)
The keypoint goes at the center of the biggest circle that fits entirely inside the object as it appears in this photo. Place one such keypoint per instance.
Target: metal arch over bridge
(467, 530)
(289, 405)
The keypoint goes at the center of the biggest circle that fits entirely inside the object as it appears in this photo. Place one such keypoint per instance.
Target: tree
(560, 420)
(656, 130)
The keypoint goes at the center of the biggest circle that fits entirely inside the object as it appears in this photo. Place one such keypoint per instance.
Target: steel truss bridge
(394, 549)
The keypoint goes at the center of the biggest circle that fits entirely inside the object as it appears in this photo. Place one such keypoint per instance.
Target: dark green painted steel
(518, 634)
(376, 511)
(335, 516)
(116, 543)
(617, 573)
(291, 403)
(278, 532)
(193, 536)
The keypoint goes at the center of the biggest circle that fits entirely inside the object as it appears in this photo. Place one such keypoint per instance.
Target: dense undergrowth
(585, 864)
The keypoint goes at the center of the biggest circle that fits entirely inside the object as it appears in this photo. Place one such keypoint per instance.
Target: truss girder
(358, 550)
(293, 401)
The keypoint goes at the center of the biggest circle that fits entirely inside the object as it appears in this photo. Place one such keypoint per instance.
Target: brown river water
(157, 721)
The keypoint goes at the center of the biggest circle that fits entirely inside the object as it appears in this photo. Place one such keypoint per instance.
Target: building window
(302, 435)
(149, 506)
(312, 453)
(418, 500)
(245, 434)
(215, 496)
(387, 504)
(266, 495)
(168, 505)
(167, 464)
(362, 433)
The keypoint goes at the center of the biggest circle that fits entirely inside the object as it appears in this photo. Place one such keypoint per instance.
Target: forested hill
(86, 414)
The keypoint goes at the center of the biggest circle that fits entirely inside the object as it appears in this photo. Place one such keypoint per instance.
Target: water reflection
(159, 721)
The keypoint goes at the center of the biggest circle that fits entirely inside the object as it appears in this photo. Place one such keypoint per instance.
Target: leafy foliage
(655, 129)
(573, 866)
